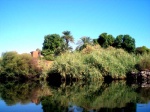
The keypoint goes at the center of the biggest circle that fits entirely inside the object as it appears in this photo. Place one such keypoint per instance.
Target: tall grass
(94, 62)
(143, 62)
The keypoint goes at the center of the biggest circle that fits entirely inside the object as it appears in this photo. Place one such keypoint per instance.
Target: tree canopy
(105, 40)
(118, 41)
(52, 42)
(121, 41)
(51, 45)
(128, 43)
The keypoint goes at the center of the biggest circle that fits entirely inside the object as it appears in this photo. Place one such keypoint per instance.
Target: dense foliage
(94, 62)
(51, 46)
(118, 41)
(144, 63)
(121, 41)
(142, 50)
(128, 43)
(19, 66)
(105, 40)
(54, 45)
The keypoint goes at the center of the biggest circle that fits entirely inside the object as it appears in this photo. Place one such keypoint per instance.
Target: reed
(94, 62)
(143, 62)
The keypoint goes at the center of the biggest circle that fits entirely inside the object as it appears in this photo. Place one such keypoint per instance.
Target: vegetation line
(94, 59)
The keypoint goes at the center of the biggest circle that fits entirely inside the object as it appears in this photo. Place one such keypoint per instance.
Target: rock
(148, 73)
(143, 72)
(144, 75)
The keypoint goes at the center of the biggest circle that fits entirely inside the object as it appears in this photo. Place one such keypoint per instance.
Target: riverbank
(91, 63)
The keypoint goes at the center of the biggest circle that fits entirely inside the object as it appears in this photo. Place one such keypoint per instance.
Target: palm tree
(84, 42)
(68, 38)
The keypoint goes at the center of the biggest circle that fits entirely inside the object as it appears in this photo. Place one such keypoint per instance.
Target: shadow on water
(54, 80)
(130, 107)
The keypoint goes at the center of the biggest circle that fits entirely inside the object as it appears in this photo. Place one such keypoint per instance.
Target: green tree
(68, 38)
(51, 45)
(102, 40)
(52, 42)
(128, 43)
(105, 40)
(118, 41)
(125, 42)
(110, 40)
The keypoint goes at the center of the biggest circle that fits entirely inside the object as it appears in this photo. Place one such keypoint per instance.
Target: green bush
(142, 50)
(14, 65)
(49, 57)
(143, 64)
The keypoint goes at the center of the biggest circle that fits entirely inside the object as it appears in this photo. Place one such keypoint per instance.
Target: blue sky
(24, 23)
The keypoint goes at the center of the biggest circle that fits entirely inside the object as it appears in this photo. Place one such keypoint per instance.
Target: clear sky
(24, 23)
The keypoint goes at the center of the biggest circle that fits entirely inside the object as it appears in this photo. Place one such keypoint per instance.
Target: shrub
(142, 50)
(143, 64)
(88, 49)
(17, 66)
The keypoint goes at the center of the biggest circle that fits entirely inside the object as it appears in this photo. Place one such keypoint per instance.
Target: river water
(95, 96)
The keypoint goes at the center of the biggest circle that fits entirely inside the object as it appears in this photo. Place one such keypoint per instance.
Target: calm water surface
(74, 97)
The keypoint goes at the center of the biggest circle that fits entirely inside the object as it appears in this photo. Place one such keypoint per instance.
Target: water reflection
(77, 97)
(23, 93)
(99, 97)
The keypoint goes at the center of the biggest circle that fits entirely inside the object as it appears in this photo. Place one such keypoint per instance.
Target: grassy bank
(94, 62)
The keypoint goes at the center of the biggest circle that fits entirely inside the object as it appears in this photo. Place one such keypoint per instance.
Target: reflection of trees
(91, 96)
(99, 96)
(117, 95)
(144, 95)
(52, 105)
(13, 93)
